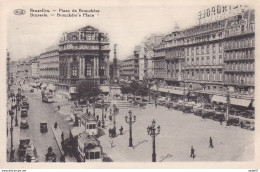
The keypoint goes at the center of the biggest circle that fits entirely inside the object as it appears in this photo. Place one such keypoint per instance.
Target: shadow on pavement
(106, 158)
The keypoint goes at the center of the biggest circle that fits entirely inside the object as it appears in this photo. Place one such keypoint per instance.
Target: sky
(126, 26)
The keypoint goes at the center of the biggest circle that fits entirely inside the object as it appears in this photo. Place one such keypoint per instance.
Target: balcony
(239, 71)
(239, 59)
(231, 48)
(230, 35)
(240, 83)
(90, 48)
(84, 41)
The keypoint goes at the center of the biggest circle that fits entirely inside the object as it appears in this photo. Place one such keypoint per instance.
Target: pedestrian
(210, 143)
(62, 136)
(111, 142)
(192, 152)
(97, 117)
(106, 109)
(55, 125)
(110, 110)
(58, 107)
(121, 130)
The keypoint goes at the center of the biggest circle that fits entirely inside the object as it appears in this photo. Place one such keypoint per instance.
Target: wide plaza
(178, 133)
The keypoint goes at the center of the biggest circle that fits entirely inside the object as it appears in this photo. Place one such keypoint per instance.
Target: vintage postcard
(129, 84)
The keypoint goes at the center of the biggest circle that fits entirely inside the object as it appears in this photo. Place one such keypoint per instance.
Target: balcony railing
(239, 71)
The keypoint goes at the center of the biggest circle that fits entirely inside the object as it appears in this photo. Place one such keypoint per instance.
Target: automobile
(43, 127)
(24, 112)
(24, 143)
(24, 124)
(32, 153)
(247, 125)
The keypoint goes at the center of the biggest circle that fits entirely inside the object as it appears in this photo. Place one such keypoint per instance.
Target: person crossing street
(210, 143)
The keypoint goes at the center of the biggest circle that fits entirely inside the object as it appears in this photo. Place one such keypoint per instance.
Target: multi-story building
(149, 44)
(210, 57)
(204, 55)
(23, 68)
(239, 53)
(49, 65)
(35, 69)
(174, 57)
(158, 62)
(83, 55)
(130, 68)
(13, 70)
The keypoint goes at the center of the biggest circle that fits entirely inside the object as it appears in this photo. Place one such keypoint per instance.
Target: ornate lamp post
(115, 111)
(151, 130)
(16, 120)
(130, 122)
(227, 107)
(103, 121)
(11, 130)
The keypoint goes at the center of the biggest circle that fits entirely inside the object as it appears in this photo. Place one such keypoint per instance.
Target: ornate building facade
(83, 55)
(239, 53)
(49, 65)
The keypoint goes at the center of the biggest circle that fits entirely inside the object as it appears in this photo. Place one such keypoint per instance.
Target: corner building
(83, 55)
(239, 53)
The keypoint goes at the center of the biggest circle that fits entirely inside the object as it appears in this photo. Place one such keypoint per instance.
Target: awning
(104, 89)
(178, 92)
(221, 99)
(76, 131)
(44, 85)
(240, 102)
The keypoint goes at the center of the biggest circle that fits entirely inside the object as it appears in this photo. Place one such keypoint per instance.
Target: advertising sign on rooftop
(219, 12)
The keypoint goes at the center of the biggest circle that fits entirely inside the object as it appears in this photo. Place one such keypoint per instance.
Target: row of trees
(89, 90)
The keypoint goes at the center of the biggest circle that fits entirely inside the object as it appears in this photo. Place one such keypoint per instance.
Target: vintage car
(43, 127)
(233, 121)
(24, 124)
(31, 154)
(24, 143)
(25, 104)
(24, 112)
(247, 125)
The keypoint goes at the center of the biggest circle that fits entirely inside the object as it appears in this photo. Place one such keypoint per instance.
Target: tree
(125, 89)
(134, 86)
(88, 90)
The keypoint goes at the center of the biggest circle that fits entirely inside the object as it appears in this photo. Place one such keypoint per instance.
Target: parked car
(24, 124)
(43, 127)
(24, 112)
(32, 153)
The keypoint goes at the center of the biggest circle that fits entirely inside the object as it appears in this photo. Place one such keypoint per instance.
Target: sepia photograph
(129, 83)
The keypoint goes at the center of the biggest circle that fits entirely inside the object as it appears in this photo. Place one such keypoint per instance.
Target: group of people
(192, 151)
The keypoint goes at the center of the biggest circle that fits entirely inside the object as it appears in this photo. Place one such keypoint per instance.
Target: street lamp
(227, 108)
(11, 130)
(151, 130)
(130, 122)
(103, 121)
(115, 111)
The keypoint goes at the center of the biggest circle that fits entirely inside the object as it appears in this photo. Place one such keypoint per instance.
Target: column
(97, 66)
(94, 58)
(107, 67)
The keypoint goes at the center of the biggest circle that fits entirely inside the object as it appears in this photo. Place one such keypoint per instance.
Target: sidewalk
(16, 135)
(57, 134)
